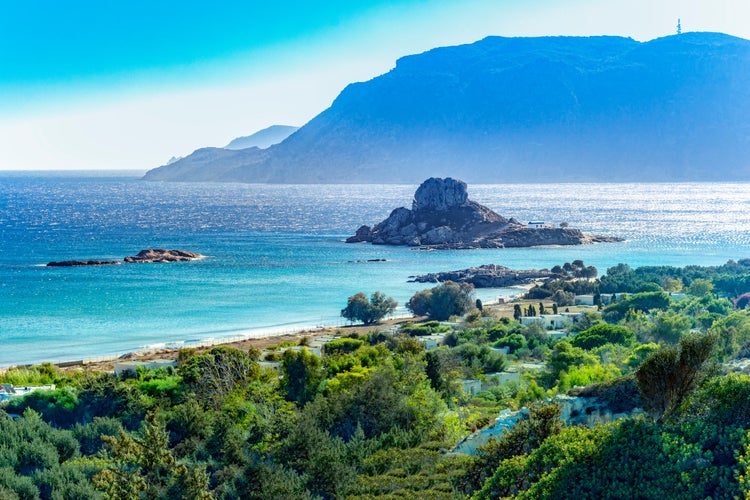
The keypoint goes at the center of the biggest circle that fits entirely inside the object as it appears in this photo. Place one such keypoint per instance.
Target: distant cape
(546, 109)
(263, 138)
(217, 164)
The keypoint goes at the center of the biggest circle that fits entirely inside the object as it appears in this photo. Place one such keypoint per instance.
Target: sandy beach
(261, 343)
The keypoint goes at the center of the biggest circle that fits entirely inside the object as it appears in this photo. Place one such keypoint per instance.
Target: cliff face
(531, 110)
(442, 216)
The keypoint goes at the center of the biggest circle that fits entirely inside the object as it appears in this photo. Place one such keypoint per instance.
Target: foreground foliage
(375, 416)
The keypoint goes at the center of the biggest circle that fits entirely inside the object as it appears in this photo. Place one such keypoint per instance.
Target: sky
(121, 84)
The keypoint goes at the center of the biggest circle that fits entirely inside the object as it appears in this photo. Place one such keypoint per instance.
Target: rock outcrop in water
(148, 255)
(161, 255)
(443, 217)
(487, 276)
(75, 263)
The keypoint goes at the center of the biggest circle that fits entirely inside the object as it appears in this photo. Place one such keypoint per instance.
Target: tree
(443, 301)
(517, 313)
(369, 312)
(669, 374)
(590, 272)
(700, 287)
(541, 308)
(563, 298)
(140, 466)
(219, 372)
(671, 284)
(301, 375)
(669, 326)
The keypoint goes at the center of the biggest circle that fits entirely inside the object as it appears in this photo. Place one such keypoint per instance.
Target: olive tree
(443, 301)
(369, 312)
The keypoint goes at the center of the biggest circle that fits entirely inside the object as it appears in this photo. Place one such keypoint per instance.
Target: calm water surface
(277, 261)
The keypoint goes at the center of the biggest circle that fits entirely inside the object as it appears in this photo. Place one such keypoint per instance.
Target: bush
(645, 302)
(513, 342)
(669, 374)
(426, 328)
(601, 334)
(342, 346)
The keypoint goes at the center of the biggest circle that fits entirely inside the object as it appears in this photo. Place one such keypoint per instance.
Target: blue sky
(127, 84)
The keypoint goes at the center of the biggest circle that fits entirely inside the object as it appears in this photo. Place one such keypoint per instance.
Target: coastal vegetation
(380, 414)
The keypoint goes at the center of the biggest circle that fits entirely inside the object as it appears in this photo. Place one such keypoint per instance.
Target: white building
(471, 386)
(432, 341)
(584, 300)
(8, 391)
(552, 321)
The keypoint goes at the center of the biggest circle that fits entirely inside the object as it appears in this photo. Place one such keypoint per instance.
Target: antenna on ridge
(679, 26)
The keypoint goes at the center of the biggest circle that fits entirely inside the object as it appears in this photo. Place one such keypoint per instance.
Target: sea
(276, 258)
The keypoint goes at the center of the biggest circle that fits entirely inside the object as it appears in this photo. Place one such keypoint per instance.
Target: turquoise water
(277, 261)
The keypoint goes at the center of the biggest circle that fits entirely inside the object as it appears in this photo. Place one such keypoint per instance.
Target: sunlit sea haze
(277, 261)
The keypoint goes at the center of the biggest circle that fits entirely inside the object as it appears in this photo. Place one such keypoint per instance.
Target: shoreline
(244, 344)
(261, 340)
(245, 339)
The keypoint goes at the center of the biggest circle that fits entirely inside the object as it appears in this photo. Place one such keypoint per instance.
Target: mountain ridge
(544, 109)
(264, 138)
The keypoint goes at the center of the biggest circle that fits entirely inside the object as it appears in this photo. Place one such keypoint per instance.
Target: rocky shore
(443, 217)
(149, 255)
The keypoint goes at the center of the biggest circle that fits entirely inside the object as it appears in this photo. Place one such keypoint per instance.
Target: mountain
(546, 109)
(219, 164)
(263, 138)
(207, 165)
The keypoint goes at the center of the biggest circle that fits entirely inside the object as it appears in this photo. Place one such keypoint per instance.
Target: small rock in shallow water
(161, 255)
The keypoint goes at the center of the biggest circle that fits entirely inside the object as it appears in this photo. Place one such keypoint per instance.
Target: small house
(471, 386)
(432, 341)
(496, 378)
(551, 321)
(584, 300)
(8, 391)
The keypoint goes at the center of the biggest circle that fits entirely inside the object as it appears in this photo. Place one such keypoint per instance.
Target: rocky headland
(487, 276)
(149, 255)
(443, 217)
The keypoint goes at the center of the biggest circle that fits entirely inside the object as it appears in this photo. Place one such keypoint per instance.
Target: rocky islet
(443, 217)
(149, 255)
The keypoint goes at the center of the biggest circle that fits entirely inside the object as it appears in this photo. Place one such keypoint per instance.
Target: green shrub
(601, 334)
(342, 346)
